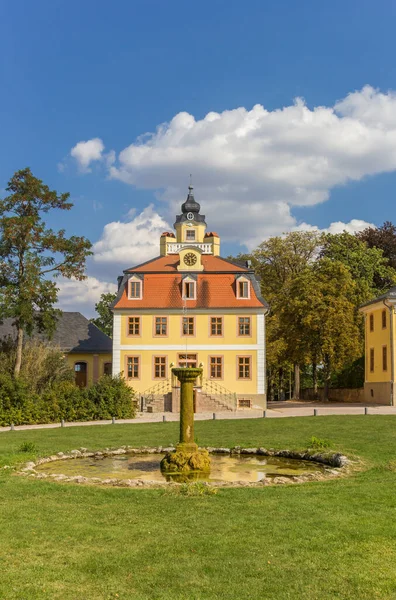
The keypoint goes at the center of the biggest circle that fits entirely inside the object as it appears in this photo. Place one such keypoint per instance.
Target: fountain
(187, 457)
(159, 466)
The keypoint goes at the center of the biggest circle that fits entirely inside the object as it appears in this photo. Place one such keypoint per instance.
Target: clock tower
(191, 234)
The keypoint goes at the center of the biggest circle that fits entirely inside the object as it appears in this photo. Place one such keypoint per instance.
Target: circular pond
(224, 468)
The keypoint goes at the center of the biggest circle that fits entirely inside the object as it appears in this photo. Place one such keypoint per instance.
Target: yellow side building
(190, 307)
(379, 326)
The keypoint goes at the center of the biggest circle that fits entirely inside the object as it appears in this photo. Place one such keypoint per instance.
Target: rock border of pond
(336, 465)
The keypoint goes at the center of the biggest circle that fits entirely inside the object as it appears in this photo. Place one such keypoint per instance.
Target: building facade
(86, 348)
(190, 307)
(379, 315)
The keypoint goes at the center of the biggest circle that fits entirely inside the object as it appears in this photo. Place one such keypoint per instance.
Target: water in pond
(147, 468)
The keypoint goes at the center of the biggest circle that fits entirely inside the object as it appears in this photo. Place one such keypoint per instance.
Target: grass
(322, 540)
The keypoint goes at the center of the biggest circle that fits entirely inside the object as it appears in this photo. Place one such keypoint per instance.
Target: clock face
(190, 216)
(190, 259)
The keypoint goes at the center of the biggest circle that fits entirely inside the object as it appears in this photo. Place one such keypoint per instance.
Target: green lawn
(319, 540)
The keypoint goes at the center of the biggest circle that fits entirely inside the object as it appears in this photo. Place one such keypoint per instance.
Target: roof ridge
(142, 264)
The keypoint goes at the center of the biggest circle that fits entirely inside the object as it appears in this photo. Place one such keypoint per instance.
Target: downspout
(392, 349)
(266, 312)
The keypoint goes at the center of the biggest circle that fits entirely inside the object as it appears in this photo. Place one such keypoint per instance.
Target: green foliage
(350, 376)
(319, 443)
(368, 267)
(105, 320)
(112, 397)
(384, 238)
(30, 254)
(64, 400)
(42, 365)
(28, 447)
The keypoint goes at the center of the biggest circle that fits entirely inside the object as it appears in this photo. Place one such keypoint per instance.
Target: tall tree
(278, 261)
(383, 237)
(368, 266)
(32, 255)
(105, 320)
(320, 316)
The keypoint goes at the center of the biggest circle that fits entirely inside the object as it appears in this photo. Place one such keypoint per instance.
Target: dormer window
(243, 289)
(189, 290)
(135, 289)
(190, 235)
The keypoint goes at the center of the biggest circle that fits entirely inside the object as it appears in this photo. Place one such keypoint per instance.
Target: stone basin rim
(332, 460)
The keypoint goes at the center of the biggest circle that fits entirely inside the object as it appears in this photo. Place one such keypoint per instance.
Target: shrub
(112, 397)
(319, 444)
(42, 364)
(109, 397)
(27, 447)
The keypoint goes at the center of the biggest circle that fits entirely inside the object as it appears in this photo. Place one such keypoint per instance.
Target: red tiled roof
(164, 290)
(166, 264)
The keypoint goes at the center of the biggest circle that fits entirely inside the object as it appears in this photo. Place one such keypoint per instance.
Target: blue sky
(78, 71)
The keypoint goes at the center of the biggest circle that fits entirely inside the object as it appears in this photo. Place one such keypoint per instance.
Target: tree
(369, 268)
(383, 237)
(320, 316)
(105, 320)
(278, 261)
(32, 255)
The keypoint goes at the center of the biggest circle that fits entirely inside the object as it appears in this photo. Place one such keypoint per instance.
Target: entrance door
(80, 374)
(188, 360)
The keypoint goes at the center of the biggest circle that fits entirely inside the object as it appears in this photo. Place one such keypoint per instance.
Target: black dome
(190, 205)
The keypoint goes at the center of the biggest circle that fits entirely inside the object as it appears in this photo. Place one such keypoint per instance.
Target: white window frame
(238, 282)
(189, 280)
(191, 239)
(135, 280)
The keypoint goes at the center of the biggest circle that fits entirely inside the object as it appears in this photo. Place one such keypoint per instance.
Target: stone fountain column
(187, 377)
(187, 456)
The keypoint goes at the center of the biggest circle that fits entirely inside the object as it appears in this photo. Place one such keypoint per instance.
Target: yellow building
(86, 348)
(190, 307)
(379, 369)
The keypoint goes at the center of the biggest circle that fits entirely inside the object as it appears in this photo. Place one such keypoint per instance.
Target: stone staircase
(211, 397)
(212, 403)
(158, 398)
(217, 397)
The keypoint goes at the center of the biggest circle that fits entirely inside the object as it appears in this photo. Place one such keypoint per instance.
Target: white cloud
(87, 152)
(82, 295)
(121, 245)
(250, 169)
(257, 163)
(125, 244)
(352, 227)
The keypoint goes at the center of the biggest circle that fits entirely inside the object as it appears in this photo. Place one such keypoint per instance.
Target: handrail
(160, 388)
(226, 397)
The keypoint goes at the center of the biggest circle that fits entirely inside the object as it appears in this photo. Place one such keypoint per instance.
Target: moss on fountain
(187, 456)
(184, 461)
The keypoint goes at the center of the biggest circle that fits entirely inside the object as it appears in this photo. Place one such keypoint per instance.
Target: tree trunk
(18, 360)
(327, 376)
(281, 395)
(326, 390)
(315, 379)
(296, 389)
